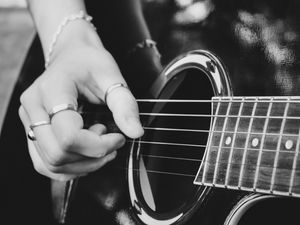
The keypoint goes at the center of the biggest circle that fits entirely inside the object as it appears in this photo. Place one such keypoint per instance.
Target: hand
(64, 150)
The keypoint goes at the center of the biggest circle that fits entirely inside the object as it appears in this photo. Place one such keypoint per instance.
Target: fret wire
(246, 144)
(261, 146)
(233, 141)
(278, 147)
(209, 142)
(294, 164)
(221, 141)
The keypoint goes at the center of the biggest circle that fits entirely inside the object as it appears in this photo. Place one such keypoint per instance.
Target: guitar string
(209, 131)
(198, 115)
(224, 99)
(203, 115)
(193, 175)
(204, 146)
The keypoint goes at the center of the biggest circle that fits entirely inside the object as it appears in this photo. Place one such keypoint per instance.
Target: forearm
(49, 14)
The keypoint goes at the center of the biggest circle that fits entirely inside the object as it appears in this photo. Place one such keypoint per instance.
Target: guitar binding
(197, 75)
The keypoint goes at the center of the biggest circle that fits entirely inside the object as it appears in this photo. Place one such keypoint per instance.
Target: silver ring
(113, 87)
(40, 123)
(62, 107)
(30, 134)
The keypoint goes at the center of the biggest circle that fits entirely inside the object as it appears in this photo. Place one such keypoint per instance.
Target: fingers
(38, 163)
(125, 112)
(66, 171)
(120, 100)
(64, 149)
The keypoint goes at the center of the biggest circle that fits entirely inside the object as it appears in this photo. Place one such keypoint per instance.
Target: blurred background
(16, 33)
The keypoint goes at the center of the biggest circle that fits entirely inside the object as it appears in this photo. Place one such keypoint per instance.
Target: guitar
(196, 142)
(200, 141)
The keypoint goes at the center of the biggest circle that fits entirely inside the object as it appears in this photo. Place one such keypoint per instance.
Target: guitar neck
(254, 145)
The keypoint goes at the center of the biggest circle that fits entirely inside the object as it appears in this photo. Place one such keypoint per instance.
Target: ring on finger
(40, 123)
(30, 134)
(112, 88)
(62, 107)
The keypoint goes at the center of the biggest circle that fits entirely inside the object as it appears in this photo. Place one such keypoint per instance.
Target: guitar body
(257, 41)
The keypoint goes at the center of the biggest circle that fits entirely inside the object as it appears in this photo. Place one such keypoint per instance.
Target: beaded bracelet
(147, 43)
(79, 16)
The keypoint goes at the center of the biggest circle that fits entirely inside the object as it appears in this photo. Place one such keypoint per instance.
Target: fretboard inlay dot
(289, 144)
(255, 142)
(228, 140)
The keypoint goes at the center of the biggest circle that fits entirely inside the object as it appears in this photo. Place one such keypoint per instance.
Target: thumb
(125, 111)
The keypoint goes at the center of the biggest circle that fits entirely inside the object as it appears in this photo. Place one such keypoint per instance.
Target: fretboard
(253, 145)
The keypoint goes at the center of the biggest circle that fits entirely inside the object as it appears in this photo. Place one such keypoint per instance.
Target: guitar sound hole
(274, 211)
(170, 152)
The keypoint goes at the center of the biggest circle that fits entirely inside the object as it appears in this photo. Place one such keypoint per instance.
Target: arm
(79, 66)
(124, 27)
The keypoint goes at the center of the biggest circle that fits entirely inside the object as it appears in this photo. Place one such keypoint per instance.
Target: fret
(296, 180)
(278, 148)
(292, 180)
(246, 144)
(254, 143)
(288, 153)
(261, 145)
(265, 172)
(230, 163)
(217, 164)
(206, 158)
(228, 141)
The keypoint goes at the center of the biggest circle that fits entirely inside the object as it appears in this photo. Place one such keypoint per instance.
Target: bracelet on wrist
(146, 43)
(81, 15)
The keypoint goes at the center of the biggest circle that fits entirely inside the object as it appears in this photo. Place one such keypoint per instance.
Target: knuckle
(55, 160)
(44, 86)
(67, 141)
(25, 97)
(54, 168)
(21, 112)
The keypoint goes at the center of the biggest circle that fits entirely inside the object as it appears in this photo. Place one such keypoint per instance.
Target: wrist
(74, 29)
(78, 32)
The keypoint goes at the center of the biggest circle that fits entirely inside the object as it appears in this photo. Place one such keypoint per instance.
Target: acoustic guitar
(207, 157)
